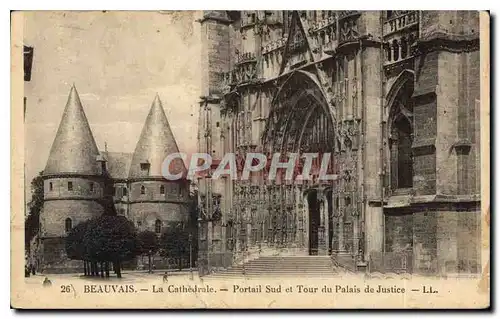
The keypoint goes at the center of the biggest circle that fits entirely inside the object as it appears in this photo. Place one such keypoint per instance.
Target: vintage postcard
(250, 159)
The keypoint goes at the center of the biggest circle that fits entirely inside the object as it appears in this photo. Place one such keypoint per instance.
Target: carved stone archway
(300, 122)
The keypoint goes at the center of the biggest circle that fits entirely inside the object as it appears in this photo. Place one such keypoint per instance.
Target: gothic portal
(372, 90)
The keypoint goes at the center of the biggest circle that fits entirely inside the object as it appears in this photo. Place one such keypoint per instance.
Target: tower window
(70, 186)
(162, 189)
(125, 191)
(139, 223)
(50, 186)
(145, 167)
(158, 226)
(91, 187)
(68, 225)
(143, 190)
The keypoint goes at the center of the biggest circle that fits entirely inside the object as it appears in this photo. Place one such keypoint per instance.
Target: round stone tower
(155, 202)
(73, 184)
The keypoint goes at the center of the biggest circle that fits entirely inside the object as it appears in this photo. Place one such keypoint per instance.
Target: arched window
(402, 132)
(401, 153)
(395, 48)
(91, 185)
(158, 226)
(388, 54)
(162, 190)
(404, 48)
(68, 225)
(143, 190)
(50, 186)
(124, 191)
(70, 186)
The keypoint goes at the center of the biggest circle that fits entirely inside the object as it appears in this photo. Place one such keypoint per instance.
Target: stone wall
(147, 213)
(86, 188)
(174, 192)
(55, 212)
(441, 241)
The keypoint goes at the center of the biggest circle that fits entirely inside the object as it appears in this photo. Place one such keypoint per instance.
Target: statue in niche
(353, 133)
(353, 27)
(344, 32)
(347, 142)
(217, 213)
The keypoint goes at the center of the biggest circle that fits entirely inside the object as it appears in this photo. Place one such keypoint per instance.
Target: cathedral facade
(392, 96)
(81, 182)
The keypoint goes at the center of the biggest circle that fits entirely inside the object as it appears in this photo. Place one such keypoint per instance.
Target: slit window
(143, 190)
(158, 226)
(70, 186)
(68, 225)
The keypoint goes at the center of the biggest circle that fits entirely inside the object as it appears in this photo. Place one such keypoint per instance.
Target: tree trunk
(180, 262)
(118, 269)
(102, 269)
(149, 261)
(107, 269)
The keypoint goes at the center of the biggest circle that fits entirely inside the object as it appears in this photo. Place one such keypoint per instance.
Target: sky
(118, 61)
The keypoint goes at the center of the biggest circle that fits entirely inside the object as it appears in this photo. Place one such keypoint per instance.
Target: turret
(73, 180)
(156, 201)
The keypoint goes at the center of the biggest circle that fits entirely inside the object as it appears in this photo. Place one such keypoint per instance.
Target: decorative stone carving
(348, 31)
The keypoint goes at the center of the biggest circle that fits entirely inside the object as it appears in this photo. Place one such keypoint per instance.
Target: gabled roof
(74, 149)
(155, 144)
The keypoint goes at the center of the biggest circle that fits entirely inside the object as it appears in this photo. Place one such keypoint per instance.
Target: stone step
(278, 270)
(284, 275)
(283, 266)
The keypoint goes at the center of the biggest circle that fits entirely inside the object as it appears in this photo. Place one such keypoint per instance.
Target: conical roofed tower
(74, 150)
(156, 202)
(73, 183)
(155, 144)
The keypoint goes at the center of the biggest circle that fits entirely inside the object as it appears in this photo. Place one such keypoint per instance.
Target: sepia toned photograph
(250, 160)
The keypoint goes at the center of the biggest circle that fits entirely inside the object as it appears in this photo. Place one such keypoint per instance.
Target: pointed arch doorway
(300, 121)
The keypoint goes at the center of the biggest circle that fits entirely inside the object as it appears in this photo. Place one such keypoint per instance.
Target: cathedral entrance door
(314, 221)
